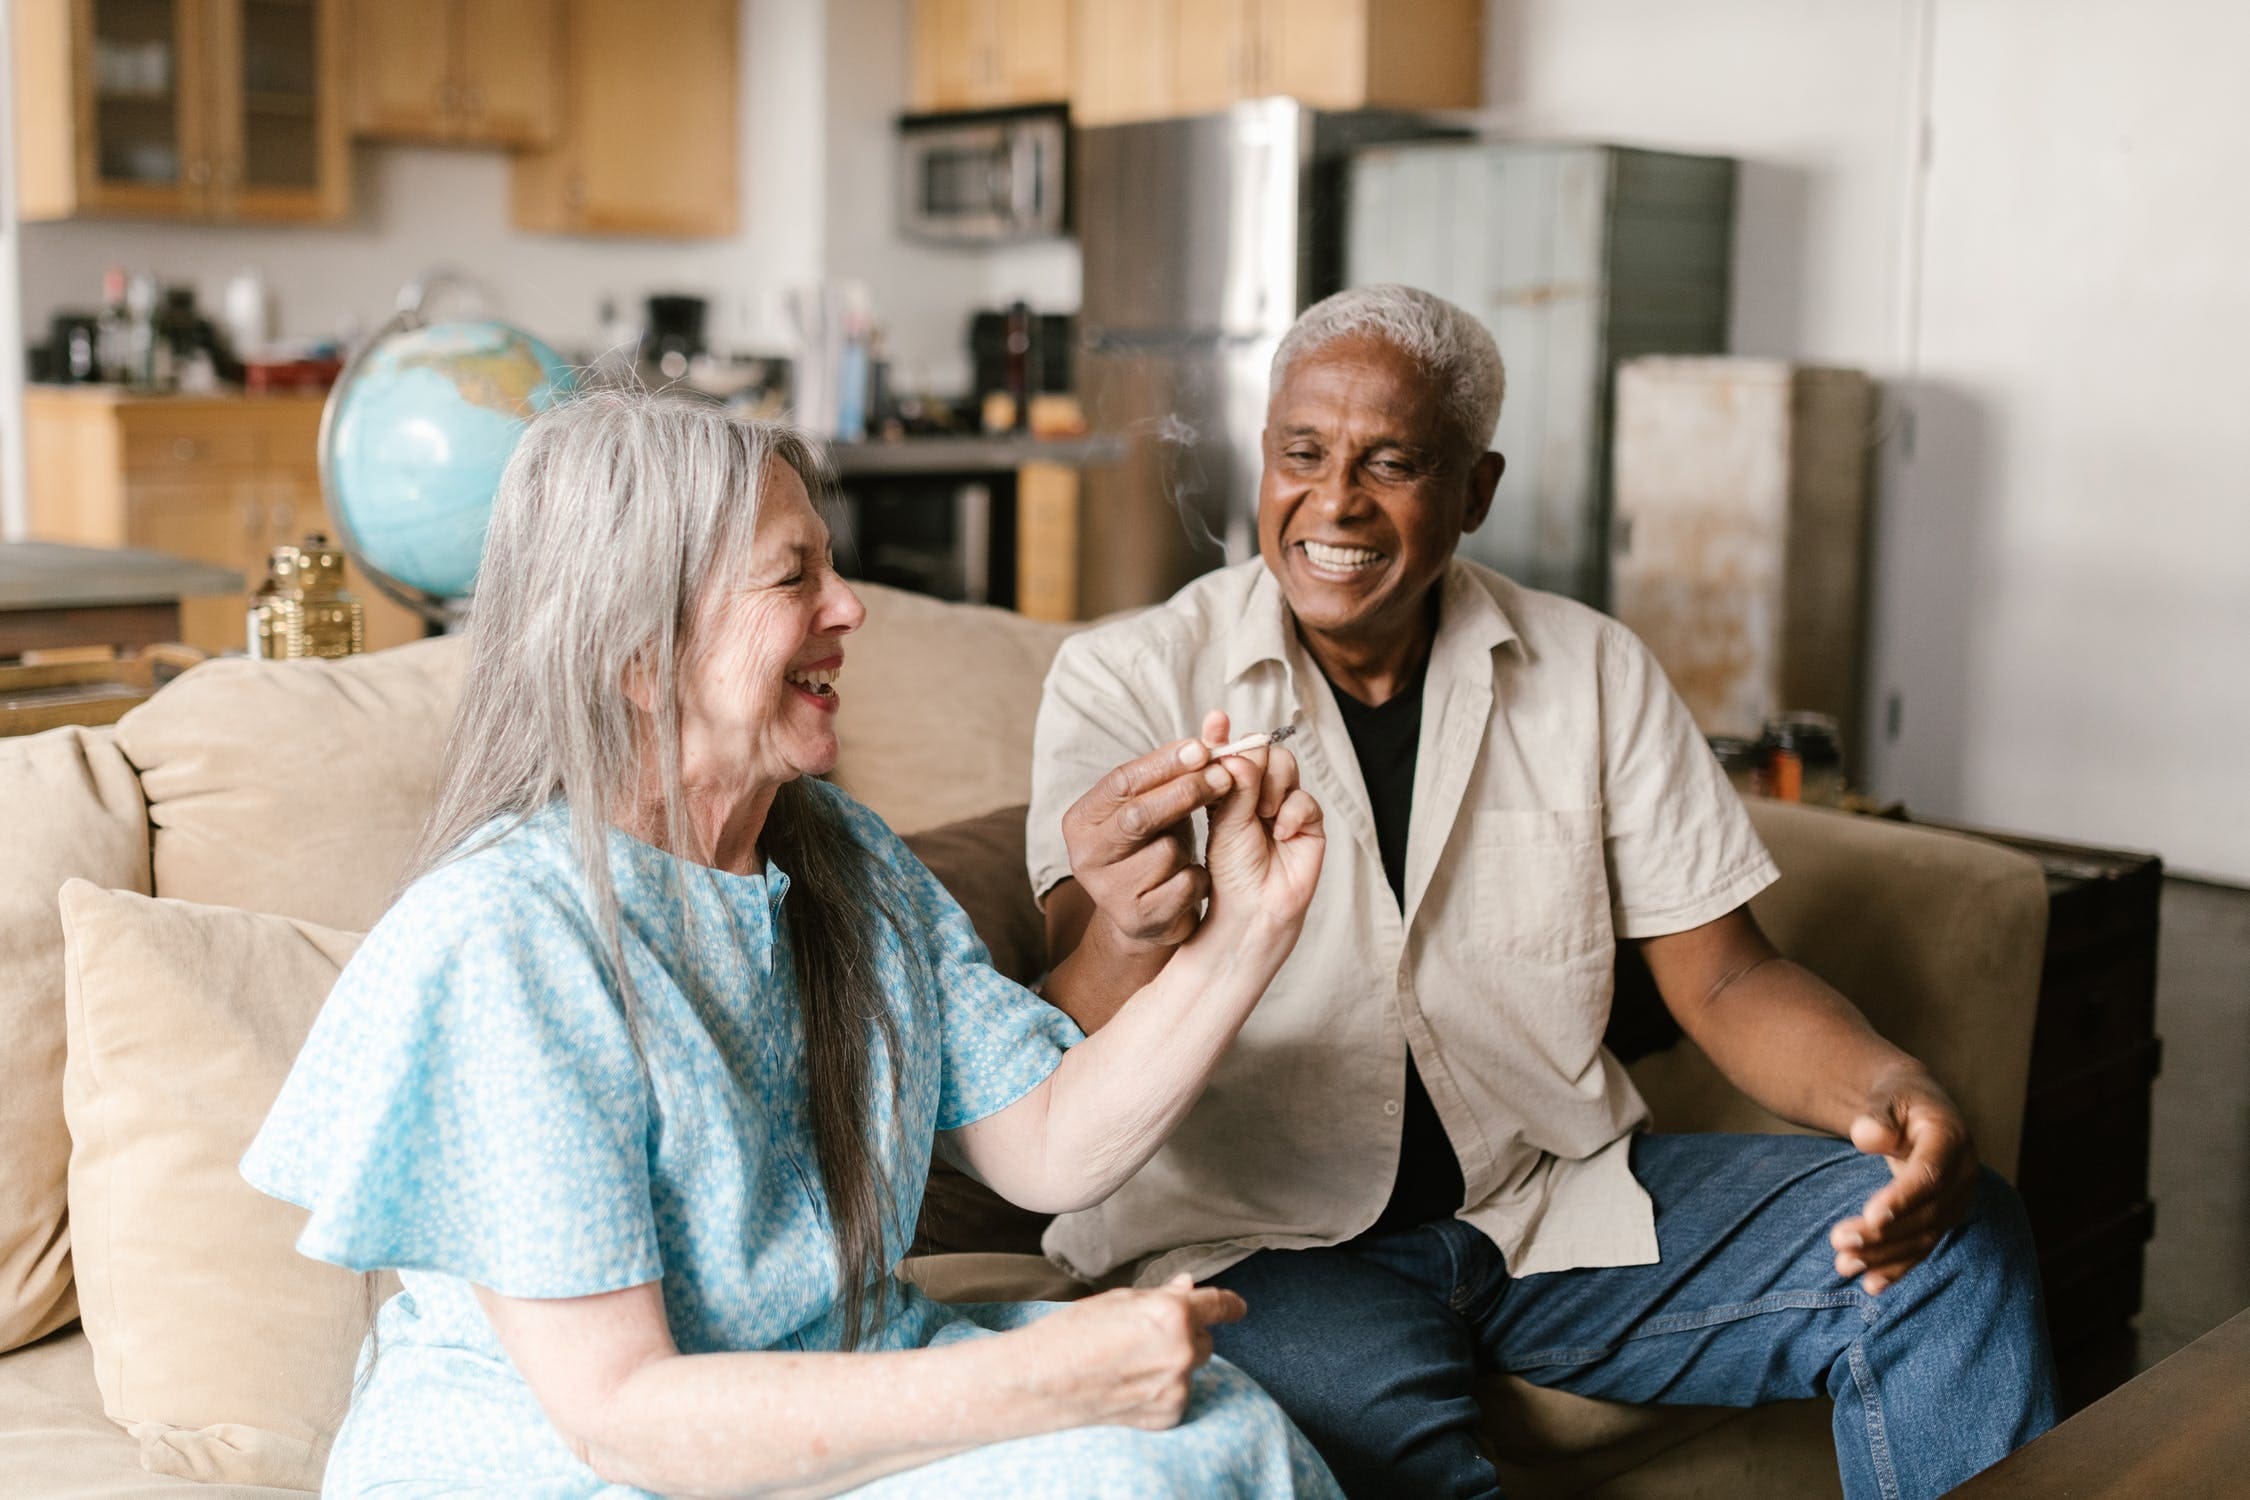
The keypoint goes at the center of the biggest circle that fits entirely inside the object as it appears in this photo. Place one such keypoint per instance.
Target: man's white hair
(1452, 347)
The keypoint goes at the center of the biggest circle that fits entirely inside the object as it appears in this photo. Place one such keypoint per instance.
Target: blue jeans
(1374, 1347)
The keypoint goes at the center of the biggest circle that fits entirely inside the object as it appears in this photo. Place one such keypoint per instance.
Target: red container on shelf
(267, 377)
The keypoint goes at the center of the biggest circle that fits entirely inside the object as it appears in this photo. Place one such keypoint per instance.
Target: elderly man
(1418, 1163)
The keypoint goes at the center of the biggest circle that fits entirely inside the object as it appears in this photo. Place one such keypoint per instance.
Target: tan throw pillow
(295, 787)
(980, 863)
(938, 705)
(69, 805)
(223, 1351)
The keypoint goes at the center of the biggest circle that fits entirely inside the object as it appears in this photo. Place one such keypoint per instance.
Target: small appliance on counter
(1018, 356)
(984, 177)
(675, 333)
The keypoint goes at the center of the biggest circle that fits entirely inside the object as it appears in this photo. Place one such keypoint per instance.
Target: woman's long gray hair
(618, 511)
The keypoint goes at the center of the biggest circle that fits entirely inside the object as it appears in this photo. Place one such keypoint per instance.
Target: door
(402, 69)
(1123, 61)
(510, 67)
(955, 66)
(1034, 45)
(1214, 45)
(648, 139)
(1313, 50)
(278, 110)
(220, 518)
(139, 96)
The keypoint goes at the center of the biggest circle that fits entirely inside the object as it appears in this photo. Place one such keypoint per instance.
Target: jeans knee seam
(1710, 1317)
(1878, 1436)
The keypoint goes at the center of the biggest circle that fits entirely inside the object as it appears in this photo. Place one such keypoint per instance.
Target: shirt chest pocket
(1537, 885)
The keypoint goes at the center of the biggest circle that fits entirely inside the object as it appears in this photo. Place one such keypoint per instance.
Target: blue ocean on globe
(418, 438)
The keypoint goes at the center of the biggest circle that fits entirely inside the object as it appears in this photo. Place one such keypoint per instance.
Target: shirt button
(1390, 1106)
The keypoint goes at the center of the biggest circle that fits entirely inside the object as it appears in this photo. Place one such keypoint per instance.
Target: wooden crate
(2095, 1055)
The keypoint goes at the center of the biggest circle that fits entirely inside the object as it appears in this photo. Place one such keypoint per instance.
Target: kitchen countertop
(970, 454)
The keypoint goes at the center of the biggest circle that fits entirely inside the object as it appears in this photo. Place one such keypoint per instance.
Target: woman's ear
(640, 684)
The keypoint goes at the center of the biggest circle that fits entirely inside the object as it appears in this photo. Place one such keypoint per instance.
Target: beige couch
(294, 788)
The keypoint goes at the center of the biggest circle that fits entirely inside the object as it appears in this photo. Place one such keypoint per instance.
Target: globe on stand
(412, 444)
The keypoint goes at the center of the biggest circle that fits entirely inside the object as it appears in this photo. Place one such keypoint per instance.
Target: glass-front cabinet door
(142, 143)
(172, 109)
(278, 108)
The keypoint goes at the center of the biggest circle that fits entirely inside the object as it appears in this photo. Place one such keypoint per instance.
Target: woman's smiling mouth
(817, 684)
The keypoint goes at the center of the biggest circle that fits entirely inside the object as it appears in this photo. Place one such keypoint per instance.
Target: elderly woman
(636, 1084)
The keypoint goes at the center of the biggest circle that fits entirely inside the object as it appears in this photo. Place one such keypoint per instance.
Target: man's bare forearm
(1786, 1038)
(1092, 969)
(1779, 1032)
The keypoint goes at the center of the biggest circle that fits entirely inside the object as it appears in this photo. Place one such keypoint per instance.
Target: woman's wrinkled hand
(1127, 1358)
(1266, 842)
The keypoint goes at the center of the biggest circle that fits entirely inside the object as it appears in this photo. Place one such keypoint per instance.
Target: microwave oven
(984, 177)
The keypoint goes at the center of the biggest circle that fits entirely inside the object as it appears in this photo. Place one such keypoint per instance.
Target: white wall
(2062, 555)
(11, 328)
(822, 81)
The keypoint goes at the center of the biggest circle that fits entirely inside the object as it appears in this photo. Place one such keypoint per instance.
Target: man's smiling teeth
(822, 682)
(1340, 559)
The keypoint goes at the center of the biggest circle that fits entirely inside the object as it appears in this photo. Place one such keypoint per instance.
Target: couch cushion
(938, 704)
(980, 862)
(225, 1353)
(1939, 938)
(294, 787)
(72, 808)
(56, 1444)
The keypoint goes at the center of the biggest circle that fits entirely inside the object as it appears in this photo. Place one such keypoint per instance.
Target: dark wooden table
(2181, 1431)
(53, 595)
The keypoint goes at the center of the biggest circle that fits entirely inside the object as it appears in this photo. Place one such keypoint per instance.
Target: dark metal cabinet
(1576, 257)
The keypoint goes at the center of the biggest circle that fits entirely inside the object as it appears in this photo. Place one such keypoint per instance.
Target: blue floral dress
(470, 1111)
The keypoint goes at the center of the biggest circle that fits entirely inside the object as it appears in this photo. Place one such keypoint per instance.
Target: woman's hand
(1126, 1358)
(1265, 845)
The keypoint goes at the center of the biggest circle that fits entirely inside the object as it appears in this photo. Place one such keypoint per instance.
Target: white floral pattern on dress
(470, 1110)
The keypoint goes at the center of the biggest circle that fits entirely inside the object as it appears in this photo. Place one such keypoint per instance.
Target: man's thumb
(1879, 1135)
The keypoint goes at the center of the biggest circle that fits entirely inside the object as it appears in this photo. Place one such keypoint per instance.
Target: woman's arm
(638, 1412)
(1118, 1095)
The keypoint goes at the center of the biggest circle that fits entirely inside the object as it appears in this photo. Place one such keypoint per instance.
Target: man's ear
(1484, 478)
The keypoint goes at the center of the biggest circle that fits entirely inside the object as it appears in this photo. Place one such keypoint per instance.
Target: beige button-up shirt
(1563, 798)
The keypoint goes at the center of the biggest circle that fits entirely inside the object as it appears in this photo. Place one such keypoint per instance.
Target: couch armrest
(1938, 937)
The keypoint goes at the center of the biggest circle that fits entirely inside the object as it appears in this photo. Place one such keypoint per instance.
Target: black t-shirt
(1385, 738)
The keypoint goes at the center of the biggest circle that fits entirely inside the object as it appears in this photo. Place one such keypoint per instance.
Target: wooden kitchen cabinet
(1332, 54)
(1124, 65)
(227, 110)
(649, 138)
(219, 479)
(988, 54)
(458, 72)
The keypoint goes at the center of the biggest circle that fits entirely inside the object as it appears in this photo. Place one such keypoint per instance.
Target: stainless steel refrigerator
(1203, 239)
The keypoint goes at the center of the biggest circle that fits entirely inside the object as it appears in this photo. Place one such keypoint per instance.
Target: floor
(2199, 1167)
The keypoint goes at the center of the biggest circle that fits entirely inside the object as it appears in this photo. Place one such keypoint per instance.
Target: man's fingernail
(1852, 1241)
(1191, 753)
